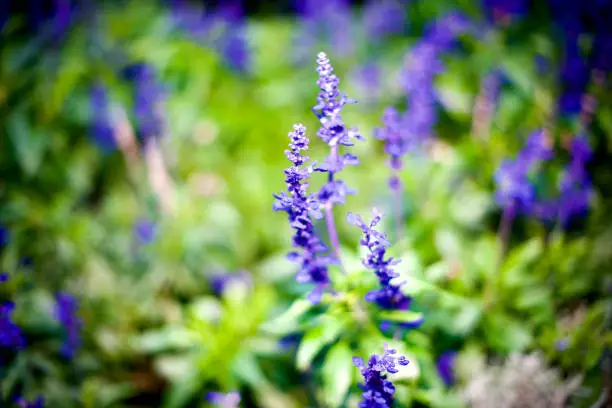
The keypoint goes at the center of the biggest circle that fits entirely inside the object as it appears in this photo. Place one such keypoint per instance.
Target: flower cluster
(405, 132)
(10, 333)
(383, 17)
(102, 128)
(378, 391)
(147, 101)
(37, 403)
(301, 208)
(446, 367)
(389, 295)
(575, 189)
(514, 190)
(330, 19)
(66, 309)
(333, 131)
(229, 400)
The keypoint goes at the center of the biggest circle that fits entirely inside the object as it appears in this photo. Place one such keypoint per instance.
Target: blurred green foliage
(155, 335)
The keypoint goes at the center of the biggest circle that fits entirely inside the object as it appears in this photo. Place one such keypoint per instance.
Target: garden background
(141, 143)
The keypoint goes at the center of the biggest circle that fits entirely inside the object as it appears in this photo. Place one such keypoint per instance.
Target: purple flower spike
(378, 391)
(389, 296)
(446, 367)
(301, 208)
(229, 400)
(383, 17)
(145, 230)
(575, 187)
(66, 310)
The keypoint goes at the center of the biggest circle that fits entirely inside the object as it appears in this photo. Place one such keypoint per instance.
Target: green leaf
(287, 321)
(505, 334)
(467, 318)
(29, 144)
(183, 389)
(337, 372)
(400, 316)
(315, 339)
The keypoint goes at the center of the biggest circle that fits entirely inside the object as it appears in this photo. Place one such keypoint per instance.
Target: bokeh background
(141, 143)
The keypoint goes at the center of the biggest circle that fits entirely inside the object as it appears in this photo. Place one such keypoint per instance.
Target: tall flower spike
(333, 132)
(378, 391)
(389, 295)
(66, 309)
(575, 187)
(301, 208)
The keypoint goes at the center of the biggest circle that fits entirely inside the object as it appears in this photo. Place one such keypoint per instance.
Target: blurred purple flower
(145, 230)
(234, 47)
(575, 189)
(10, 333)
(329, 21)
(446, 367)
(301, 208)
(500, 11)
(5, 236)
(229, 400)
(66, 312)
(368, 77)
(148, 99)
(102, 128)
(384, 17)
(378, 391)
(514, 190)
(562, 344)
(37, 403)
(220, 282)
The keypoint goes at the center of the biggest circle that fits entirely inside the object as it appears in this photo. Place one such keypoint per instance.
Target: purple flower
(148, 98)
(221, 281)
(514, 190)
(446, 367)
(378, 391)
(301, 208)
(333, 131)
(229, 400)
(145, 230)
(234, 48)
(562, 344)
(383, 17)
(102, 129)
(66, 310)
(5, 236)
(10, 333)
(329, 21)
(37, 403)
(389, 295)
(575, 189)
(502, 10)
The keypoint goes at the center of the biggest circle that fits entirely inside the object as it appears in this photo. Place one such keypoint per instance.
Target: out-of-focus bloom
(102, 128)
(10, 333)
(389, 295)
(513, 188)
(37, 403)
(301, 207)
(234, 47)
(220, 282)
(329, 20)
(4, 236)
(333, 131)
(446, 367)
(145, 230)
(148, 99)
(229, 400)
(66, 312)
(383, 17)
(575, 189)
(502, 11)
(378, 391)
(368, 79)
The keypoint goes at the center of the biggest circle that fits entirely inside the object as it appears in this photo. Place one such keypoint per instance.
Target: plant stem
(505, 228)
(333, 234)
(397, 208)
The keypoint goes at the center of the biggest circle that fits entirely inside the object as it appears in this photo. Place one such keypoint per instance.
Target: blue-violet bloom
(446, 367)
(378, 391)
(229, 400)
(66, 312)
(301, 208)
